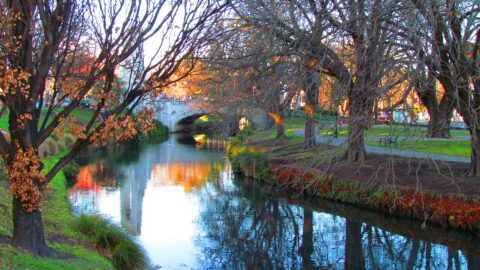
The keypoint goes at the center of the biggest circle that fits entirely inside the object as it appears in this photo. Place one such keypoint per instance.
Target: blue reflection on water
(191, 212)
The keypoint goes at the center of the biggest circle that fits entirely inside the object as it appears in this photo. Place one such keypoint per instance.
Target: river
(189, 211)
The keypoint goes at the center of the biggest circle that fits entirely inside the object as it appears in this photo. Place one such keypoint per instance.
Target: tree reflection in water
(157, 192)
(243, 229)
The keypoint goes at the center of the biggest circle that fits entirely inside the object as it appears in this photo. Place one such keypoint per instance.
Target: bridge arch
(176, 114)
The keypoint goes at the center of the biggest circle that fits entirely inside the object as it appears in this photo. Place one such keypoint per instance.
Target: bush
(244, 133)
(48, 148)
(68, 139)
(125, 252)
(253, 164)
(159, 130)
(71, 171)
(129, 255)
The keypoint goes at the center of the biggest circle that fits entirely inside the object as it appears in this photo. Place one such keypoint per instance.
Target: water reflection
(245, 230)
(190, 211)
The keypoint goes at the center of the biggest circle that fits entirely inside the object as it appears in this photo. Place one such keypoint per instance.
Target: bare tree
(332, 32)
(450, 50)
(37, 36)
(253, 73)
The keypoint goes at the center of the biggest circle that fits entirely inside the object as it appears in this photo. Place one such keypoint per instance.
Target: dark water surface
(189, 211)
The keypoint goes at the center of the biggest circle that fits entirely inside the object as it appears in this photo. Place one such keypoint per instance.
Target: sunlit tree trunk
(440, 113)
(278, 118)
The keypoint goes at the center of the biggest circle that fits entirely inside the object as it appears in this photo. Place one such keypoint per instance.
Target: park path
(342, 142)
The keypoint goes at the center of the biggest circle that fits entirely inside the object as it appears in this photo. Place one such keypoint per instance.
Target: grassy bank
(390, 130)
(82, 116)
(451, 147)
(410, 137)
(76, 251)
(320, 172)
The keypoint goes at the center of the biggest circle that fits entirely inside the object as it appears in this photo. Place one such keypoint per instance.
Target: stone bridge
(177, 113)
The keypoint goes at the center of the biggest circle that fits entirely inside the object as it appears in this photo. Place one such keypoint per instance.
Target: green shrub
(87, 224)
(125, 252)
(68, 139)
(244, 133)
(108, 235)
(159, 130)
(71, 171)
(48, 148)
(129, 255)
(255, 162)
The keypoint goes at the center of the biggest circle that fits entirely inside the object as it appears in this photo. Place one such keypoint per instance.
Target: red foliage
(442, 210)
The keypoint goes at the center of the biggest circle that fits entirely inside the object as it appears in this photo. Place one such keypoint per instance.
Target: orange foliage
(85, 180)
(277, 118)
(189, 175)
(27, 182)
(188, 80)
(309, 110)
(119, 129)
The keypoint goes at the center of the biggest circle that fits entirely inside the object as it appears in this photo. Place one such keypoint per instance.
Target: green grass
(388, 130)
(59, 224)
(294, 122)
(126, 253)
(80, 115)
(4, 121)
(446, 147)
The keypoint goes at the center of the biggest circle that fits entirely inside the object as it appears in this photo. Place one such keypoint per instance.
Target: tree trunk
(474, 158)
(278, 118)
(28, 231)
(311, 88)
(440, 112)
(309, 139)
(356, 130)
(471, 118)
(375, 111)
(27, 185)
(439, 124)
(280, 131)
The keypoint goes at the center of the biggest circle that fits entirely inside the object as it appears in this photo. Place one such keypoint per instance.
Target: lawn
(388, 130)
(82, 116)
(445, 147)
(59, 225)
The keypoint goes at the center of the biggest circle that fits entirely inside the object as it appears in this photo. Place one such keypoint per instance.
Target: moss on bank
(287, 166)
(75, 250)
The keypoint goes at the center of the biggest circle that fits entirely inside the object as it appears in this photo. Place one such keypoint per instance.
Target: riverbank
(431, 192)
(73, 250)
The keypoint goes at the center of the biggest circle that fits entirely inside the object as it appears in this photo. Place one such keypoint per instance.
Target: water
(189, 211)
